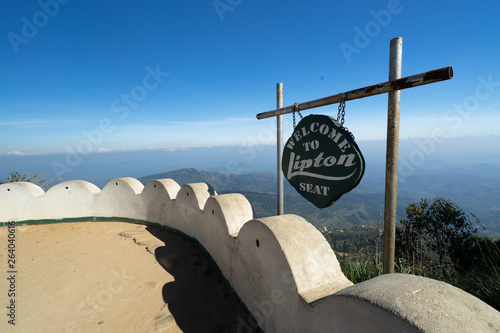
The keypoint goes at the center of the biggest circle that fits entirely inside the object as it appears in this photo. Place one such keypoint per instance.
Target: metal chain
(341, 113)
(296, 109)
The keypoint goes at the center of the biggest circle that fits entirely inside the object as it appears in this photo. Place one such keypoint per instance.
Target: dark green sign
(322, 161)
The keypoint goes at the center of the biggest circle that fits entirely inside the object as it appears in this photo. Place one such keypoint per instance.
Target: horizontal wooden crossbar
(416, 80)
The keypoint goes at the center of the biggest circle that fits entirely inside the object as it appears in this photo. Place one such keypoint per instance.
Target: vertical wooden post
(391, 172)
(279, 125)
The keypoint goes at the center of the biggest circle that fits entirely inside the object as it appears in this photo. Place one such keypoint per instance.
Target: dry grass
(37, 178)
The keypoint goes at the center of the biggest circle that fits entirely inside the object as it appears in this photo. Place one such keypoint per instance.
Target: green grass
(358, 270)
(482, 282)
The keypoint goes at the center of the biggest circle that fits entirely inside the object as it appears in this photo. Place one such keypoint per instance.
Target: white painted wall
(282, 268)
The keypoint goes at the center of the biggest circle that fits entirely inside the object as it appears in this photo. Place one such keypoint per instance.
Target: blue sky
(99, 76)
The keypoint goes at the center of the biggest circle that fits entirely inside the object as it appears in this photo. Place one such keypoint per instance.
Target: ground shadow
(199, 299)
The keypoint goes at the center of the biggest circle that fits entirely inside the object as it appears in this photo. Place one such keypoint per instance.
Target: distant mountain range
(475, 189)
(260, 189)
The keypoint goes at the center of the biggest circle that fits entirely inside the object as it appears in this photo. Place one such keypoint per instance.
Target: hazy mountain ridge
(475, 189)
(264, 182)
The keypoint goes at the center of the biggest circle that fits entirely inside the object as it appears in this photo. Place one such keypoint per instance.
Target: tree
(37, 178)
(436, 235)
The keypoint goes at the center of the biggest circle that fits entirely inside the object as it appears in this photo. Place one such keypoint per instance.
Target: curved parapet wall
(281, 267)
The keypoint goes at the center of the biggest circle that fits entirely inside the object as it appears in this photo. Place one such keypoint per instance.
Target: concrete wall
(282, 268)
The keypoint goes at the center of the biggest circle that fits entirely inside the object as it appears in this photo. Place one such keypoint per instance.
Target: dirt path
(112, 277)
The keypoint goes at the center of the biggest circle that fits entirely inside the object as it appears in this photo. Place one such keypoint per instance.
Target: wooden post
(279, 143)
(391, 164)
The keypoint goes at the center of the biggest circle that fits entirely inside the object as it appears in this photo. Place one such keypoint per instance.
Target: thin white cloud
(164, 135)
(241, 119)
(210, 123)
(34, 122)
(176, 149)
(20, 153)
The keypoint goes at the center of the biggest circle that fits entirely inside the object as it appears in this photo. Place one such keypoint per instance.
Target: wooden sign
(321, 160)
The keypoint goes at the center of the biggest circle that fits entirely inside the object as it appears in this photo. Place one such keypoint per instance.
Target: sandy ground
(111, 277)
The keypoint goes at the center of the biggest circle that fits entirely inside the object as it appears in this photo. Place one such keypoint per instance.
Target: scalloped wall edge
(281, 267)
